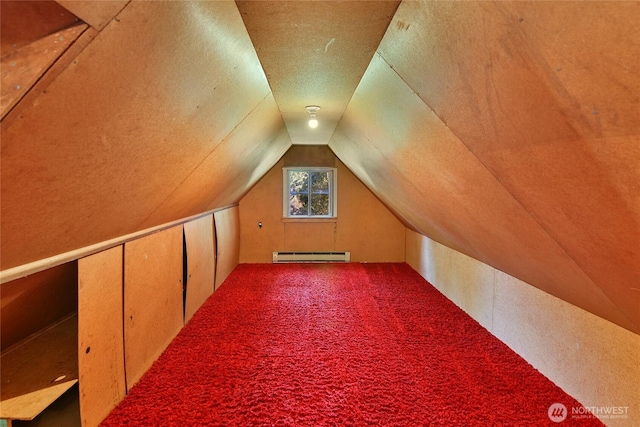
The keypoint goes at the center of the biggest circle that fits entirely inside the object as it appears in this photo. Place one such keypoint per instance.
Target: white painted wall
(592, 359)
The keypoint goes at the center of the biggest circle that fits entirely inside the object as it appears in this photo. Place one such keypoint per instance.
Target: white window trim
(333, 191)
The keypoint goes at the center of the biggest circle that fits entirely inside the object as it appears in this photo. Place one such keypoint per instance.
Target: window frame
(333, 192)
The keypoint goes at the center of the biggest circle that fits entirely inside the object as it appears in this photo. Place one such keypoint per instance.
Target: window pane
(319, 204)
(298, 182)
(320, 182)
(309, 192)
(298, 204)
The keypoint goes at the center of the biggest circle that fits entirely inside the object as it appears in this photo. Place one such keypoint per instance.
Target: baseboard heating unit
(290, 257)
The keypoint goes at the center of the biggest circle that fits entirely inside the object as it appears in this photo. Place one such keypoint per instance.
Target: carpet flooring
(338, 345)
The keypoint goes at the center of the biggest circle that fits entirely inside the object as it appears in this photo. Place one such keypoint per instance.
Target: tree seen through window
(309, 192)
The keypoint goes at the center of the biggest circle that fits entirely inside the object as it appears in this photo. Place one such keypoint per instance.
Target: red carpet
(338, 345)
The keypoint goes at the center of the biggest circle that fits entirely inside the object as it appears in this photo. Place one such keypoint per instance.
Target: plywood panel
(200, 263)
(364, 225)
(100, 334)
(227, 223)
(346, 146)
(148, 115)
(23, 22)
(249, 151)
(309, 236)
(22, 67)
(429, 258)
(551, 110)
(153, 305)
(590, 358)
(27, 302)
(314, 53)
(30, 98)
(64, 412)
(412, 160)
(262, 204)
(38, 370)
(575, 349)
(30, 405)
(95, 13)
(465, 281)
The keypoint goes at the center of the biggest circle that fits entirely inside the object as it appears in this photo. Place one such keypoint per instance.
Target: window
(309, 192)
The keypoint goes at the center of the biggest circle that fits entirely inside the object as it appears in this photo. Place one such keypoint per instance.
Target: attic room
(159, 165)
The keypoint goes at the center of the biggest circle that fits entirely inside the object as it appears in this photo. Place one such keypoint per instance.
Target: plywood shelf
(38, 370)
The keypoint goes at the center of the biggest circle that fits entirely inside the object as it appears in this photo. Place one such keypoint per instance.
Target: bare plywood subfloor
(39, 370)
(30, 405)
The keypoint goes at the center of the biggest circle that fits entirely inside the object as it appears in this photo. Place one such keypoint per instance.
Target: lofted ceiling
(509, 131)
(315, 53)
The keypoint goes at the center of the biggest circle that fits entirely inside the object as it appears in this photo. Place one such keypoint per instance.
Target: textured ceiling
(314, 53)
(166, 113)
(497, 129)
(509, 131)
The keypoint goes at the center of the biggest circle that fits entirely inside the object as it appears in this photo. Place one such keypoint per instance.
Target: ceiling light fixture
(313, 121)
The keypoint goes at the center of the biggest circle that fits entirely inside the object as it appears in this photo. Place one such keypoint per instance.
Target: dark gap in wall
(215, 255)
(185, 274)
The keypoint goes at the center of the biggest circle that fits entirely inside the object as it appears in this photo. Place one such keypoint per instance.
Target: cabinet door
(153, 298)
(227, 223)
(198, 235)
(100, 340)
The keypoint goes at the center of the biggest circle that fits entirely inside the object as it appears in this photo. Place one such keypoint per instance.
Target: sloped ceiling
(315, 53)
(166, 113)
(508, 131)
